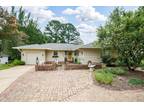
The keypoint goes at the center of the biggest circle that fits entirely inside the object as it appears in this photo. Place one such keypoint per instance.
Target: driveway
(7, 76)
(75, 85)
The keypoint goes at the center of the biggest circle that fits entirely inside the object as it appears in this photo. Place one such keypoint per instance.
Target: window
(65, 52)
(55, 54)
(76, 53)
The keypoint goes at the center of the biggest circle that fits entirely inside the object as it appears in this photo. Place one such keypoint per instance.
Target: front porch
(61, 56)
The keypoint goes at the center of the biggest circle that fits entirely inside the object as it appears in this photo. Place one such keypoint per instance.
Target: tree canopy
(124, 32)
(59, 32)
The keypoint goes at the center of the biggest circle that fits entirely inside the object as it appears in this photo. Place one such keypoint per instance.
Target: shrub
(142, 65)
(77, 61)
(18, 62)
(107, 59)
(116, 70)
(103, 77)
(136, 81)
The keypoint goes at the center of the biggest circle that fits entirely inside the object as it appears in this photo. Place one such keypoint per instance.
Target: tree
(62, 33)
(53, 30)
(10, 36)
(124, 32)
(29, 26)
(70, 33)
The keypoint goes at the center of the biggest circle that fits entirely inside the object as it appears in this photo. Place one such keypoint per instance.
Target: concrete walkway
(7, 76)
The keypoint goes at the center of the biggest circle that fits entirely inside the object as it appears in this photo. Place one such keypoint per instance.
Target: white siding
(86, 55)
(29, 56)
(3, 60)
(49, 56)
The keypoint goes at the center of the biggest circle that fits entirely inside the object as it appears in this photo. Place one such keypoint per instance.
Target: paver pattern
(7, 76)
(75, 85)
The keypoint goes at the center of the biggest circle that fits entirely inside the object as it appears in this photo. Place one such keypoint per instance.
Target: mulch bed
(121, 82)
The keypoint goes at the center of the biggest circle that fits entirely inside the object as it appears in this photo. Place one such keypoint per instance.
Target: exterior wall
(3, 60)
(29, 56)
(49, 56)
(86, 55)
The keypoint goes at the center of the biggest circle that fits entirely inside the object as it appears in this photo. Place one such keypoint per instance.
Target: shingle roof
(91, 45)
(50, 46)
(56, 46)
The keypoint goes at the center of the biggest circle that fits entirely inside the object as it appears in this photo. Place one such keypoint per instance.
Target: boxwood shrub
(103, 77)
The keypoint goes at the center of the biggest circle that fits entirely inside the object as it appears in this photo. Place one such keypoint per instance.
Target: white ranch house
(60, 52)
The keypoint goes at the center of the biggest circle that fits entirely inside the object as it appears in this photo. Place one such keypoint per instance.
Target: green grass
(12, 64)
(5, 66)
(136, 81)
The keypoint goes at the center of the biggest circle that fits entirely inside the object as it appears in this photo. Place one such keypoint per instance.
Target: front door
(69, 56)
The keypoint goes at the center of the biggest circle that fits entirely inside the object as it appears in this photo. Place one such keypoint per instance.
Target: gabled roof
(56, 46)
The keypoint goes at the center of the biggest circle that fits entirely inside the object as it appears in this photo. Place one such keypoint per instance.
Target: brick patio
(71, 85)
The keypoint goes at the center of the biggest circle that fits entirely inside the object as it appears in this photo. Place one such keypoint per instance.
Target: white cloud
(87, 32)
(61, 19)
(86, 28)
(85, 14)
(88, 37)
(43, 14)
(69, 11)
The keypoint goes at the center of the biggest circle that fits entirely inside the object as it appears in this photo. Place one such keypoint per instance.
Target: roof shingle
(57, 46)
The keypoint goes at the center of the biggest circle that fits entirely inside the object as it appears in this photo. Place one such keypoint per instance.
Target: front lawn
(5, 66)
(12, 64)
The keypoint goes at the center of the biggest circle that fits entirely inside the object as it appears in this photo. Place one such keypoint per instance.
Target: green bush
(136, 81)
(142, 65)
(103, 77)
(18, 62)
(117, 70)
(114, 70)
(109, 60)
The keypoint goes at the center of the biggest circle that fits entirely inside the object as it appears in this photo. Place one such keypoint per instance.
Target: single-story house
(60, 52)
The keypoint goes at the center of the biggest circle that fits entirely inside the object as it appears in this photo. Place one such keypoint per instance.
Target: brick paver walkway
(75, 85)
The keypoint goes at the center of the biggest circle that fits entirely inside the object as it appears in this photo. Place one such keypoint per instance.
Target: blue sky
(86, 19)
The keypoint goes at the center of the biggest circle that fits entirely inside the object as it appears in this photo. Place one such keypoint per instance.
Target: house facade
(60, 52)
